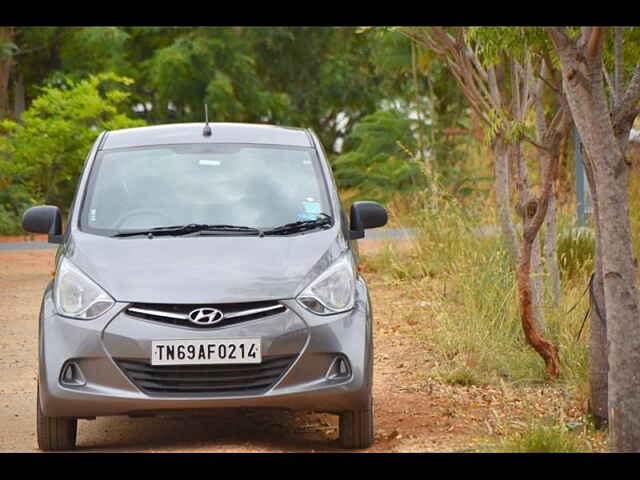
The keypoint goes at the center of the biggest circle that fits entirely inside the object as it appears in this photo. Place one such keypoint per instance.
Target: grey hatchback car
(205, 267)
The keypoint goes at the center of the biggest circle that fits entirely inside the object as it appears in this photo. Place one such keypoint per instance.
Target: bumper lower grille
(246, 379)
(179, 314)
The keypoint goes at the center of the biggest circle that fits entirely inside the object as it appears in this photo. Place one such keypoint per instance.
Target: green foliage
(433, 92)
(327, 74)
(516, 130)
(41, 157)
(94, 49)
(496, 125)
(14, 199)
(212, 65)
(493, 43)
(379, 160)
(446, 108)
(326, 78)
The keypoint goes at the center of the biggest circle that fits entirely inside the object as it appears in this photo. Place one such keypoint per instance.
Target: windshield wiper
(189, 228)
(323, 220)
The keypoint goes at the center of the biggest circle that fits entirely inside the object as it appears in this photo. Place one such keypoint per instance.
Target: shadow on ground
(233, 430)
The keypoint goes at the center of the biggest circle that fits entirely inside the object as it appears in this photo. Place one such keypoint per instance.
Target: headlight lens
(76, 295)
(333, 291)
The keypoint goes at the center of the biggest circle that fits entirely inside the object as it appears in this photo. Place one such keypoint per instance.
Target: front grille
(247, 379)
(178, 314)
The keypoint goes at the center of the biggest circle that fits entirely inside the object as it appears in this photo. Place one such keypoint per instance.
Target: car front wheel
(356, 428)
(55, 433)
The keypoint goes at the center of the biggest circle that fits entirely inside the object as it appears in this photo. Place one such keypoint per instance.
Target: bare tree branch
(533, 142)
(558, 36)
(540, 120)
(557, 86)
(619, 67)
(612, 87)
(474, 58)
(493, 86)
(629, 102)
(558, 127)
(583, 38)
(530, 93)
(553, 88)
(595, 42)
(463, 63)
(475, 102)
(515, 85)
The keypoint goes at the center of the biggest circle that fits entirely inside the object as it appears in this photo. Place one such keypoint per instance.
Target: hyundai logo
(205, 316)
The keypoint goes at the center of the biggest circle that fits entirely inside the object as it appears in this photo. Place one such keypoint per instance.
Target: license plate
(206, 352)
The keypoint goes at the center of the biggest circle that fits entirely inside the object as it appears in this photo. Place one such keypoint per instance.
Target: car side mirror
(44, 219)
(366, 215)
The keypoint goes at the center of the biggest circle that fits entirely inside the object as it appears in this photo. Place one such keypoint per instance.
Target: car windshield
(221, 184)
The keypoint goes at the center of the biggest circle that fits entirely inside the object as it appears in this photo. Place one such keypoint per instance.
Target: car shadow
(228, 430)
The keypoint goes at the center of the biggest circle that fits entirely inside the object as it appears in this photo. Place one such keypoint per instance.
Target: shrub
(41, 157)
(379, 162)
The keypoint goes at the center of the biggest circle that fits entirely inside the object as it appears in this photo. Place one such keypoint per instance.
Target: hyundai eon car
(205, 266)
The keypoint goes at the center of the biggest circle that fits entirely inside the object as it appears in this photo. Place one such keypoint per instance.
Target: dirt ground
(413, 413)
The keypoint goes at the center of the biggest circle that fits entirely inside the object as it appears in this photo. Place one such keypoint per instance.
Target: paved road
(390, 234)
(26, 245)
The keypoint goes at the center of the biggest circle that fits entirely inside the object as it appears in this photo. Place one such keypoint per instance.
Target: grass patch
(544, 439)
(463, 376)
(475, 324)
(576, 252)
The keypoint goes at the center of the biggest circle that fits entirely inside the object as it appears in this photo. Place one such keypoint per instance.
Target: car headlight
(333, 291)
(76, 295)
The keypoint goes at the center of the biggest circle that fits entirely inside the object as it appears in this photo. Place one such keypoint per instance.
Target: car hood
(204, 269)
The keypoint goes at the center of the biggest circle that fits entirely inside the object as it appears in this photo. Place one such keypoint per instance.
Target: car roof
(177, 133)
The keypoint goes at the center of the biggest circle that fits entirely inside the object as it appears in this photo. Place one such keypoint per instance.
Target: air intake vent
(72, 376)
(249, 379)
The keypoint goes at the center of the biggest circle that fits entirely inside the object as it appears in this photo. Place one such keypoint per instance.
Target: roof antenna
(207, 129)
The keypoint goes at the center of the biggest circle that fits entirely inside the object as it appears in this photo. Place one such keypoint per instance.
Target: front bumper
(95, 347)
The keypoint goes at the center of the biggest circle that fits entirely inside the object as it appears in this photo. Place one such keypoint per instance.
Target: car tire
(356, 428)
(55, 433)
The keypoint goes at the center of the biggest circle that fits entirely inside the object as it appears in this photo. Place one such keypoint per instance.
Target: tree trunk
(6, 60)
(533, 213)
(535, 267)
(421, 153)
(503, 198)
(581, 65)
(19, 103)
(551, 250)
(621, 300)
(550, 243)
(551, 231)
(599, 352)
(537, 285)
(545, 349)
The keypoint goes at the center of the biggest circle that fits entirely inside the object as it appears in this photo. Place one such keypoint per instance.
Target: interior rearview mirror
(44, 219)
(366, 215)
